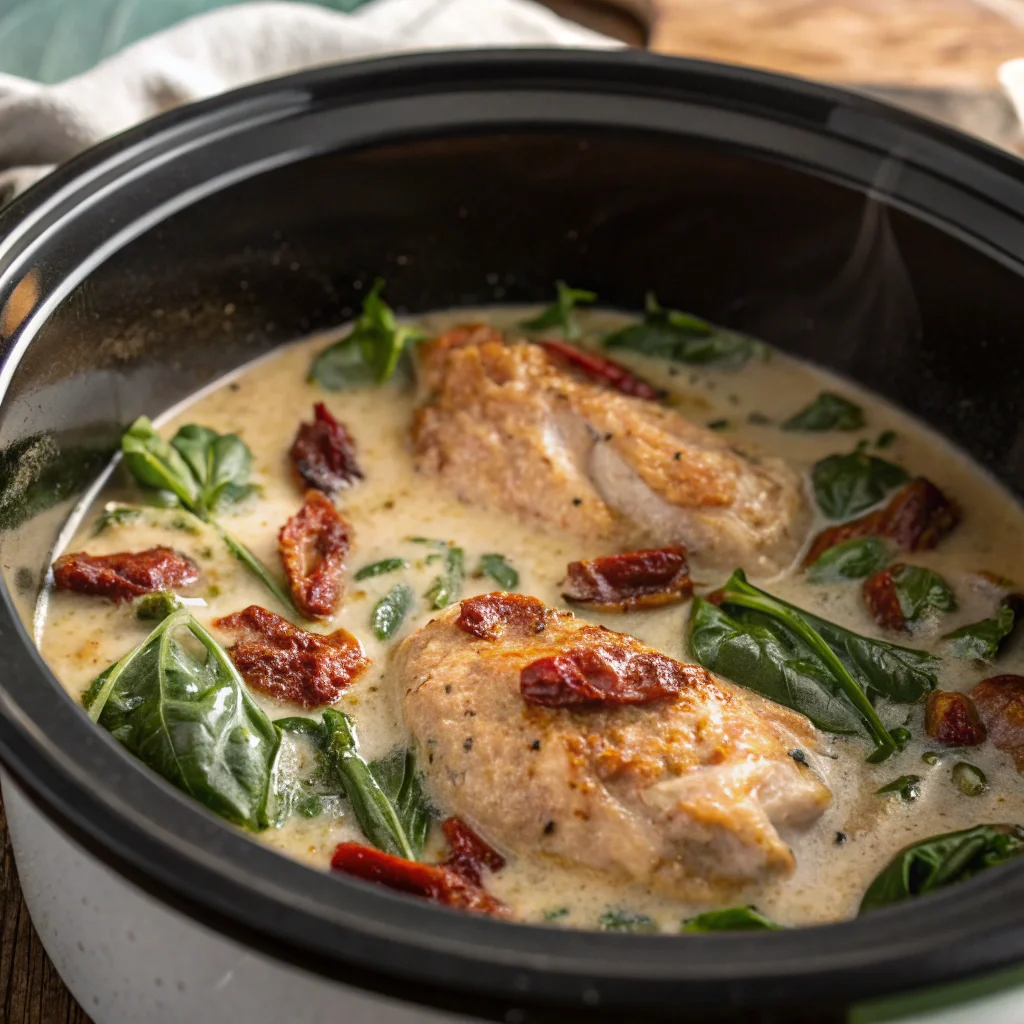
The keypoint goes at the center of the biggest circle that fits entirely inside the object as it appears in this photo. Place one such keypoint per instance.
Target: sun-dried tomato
(1000, 704)
(428, 881)
(917, 517)
(610, 673)
(883, 600)
(633, 579)
(324, 454)
(313, 545)
(952, 719)
(602, 369)
(125, 575)
(289, 663)
(469, 854)
(492, 616)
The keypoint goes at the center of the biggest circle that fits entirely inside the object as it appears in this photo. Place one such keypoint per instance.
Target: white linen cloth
(42, 125)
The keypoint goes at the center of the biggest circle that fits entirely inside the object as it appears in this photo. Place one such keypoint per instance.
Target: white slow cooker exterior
(128, 958)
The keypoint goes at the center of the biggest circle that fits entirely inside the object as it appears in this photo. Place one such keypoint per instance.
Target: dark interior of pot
(804, 260)
(813, 267)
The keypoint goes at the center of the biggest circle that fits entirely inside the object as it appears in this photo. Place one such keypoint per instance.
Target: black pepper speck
(467, 744)
(549, 828)
(577, 501)
(535, 745)
(840, 838)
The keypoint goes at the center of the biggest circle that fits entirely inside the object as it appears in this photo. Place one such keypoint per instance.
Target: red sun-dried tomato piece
(633, 579)
(124, 575)
(428, 881)
(313, 545)
(324, 454)
(469, 854)
(917, 517)
(952, 719)
(602, 369)
(883, 600)
(491, 616)
(289, 663)
(607, 673)
(1000, 704)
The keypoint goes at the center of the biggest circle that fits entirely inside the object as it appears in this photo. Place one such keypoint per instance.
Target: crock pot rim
(439, 956)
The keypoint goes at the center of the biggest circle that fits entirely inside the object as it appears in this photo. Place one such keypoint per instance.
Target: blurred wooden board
(937, 44)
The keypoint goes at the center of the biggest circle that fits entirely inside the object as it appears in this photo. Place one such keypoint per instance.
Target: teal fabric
(49, 40)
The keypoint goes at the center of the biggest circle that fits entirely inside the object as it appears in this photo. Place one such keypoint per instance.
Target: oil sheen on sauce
(836, 858)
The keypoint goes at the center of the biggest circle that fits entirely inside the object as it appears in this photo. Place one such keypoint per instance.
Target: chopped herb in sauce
(969, 779)
(828, 411)
(616, 920)
(385, 565)
(730, 919)
(447, 587)
(906, 787)
(499, 570)
(390, 611)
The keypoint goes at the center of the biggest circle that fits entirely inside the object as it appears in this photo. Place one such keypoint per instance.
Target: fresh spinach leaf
(849, 560)
(203, 471)
(683, 338)
(385, 565)
(828, 411)
(560, 315)
(983, 639)
(618, 920)
(730, 919)
(943, 860)
(906, 787)
(446, 588)
(386, 797)
(178, 704)
(499, 570)
(390, 611)
(816, 667)
(220, 463)
(847, 484)
(370, 353)
(920, 591)
(397, 776)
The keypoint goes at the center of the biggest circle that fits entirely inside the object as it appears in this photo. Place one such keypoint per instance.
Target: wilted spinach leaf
(446, 588)
(849, 560)
(982, 639)
(943, 860)
(499, 570)
(386, 796)
(730, 919)
(847, 484)
(560, 314)
(370, 353)
(920, 591)
(683, 338)
(816, 667)
(178, 704)
(115, 515)
(828, 411)
(203, 472)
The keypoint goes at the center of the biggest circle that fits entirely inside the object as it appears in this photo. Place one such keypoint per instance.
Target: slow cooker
(887, 248)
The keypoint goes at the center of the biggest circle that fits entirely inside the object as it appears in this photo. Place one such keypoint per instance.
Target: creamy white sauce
(80, 636)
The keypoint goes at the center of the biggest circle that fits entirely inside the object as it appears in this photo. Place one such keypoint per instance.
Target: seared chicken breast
(560, 739)
(506, 426)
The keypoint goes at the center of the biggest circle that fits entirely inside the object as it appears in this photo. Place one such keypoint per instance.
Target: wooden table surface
(935, 44)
